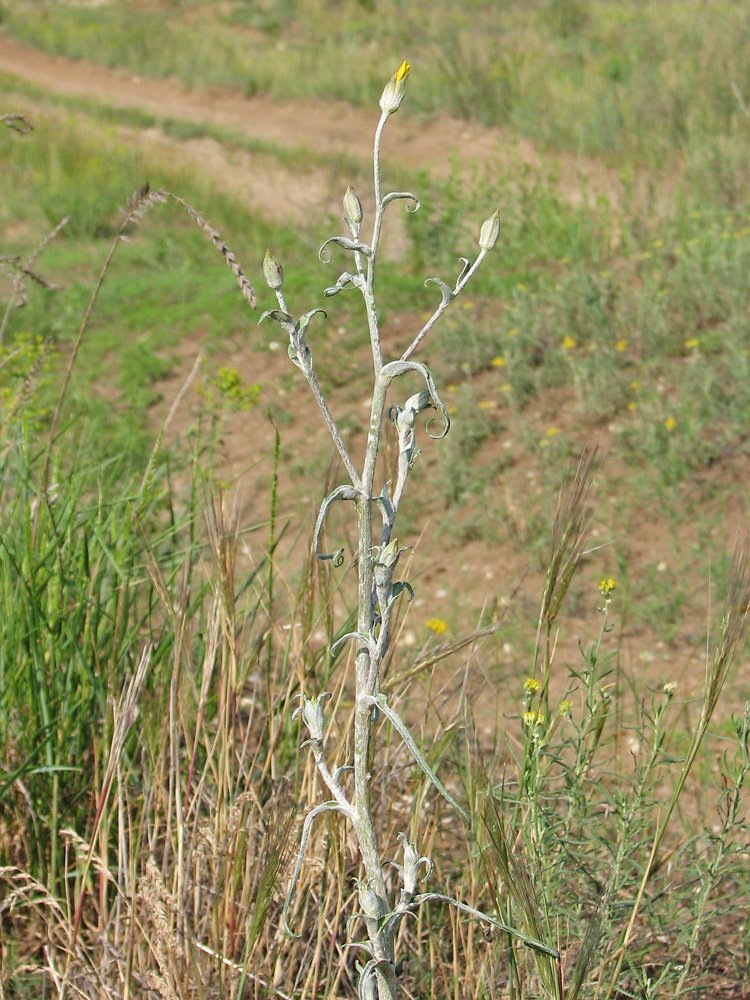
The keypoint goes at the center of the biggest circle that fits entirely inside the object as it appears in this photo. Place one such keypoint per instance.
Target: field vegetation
(161, 611)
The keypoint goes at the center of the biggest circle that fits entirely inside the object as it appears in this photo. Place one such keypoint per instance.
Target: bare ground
(455, 580)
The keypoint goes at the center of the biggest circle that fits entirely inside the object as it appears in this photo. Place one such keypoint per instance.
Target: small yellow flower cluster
(532, 685)
(568, 343)
(564, 707)
(670, 423)
(607, 585)
(437, 625)
(533, 719)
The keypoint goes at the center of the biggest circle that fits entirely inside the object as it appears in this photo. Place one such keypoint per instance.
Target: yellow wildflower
(394, 91)
(621, 345)
(693, 342)
(497, 362)
(568, 343)
(552, 431)
(533, 719)
(485, 404)
(607, 585)
(532, 685)
(437, 625)
(564, 707)
(670, 423)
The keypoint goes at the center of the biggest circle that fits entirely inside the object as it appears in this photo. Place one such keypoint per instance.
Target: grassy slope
(584, 317)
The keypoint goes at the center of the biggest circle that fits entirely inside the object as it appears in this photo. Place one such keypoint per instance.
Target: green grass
(637, 83)
(630, 323)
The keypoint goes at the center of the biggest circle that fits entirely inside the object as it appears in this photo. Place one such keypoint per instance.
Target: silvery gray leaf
(395, 368)
(340, 493)
(325, 256)
(445, 290)
(285, 321)
(393, 195)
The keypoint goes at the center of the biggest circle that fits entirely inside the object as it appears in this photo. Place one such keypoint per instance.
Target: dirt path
(334, 127)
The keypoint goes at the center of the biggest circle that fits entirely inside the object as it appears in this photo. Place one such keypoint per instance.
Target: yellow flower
(621, 345)
(533, 719)
(437, 625)
(658, 243)
(564, 707)
(607, 585)
(532, 685)
(497, 362)
(635, 384)
(670, 423)
(450, 388)
(485, 404)
(467, 305)
(568, 343)
(450, 410)
(632, 406)
(393, 93)
(693, 342)
(552, 431)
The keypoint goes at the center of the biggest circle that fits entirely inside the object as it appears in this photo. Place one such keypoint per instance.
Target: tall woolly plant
(378, 557)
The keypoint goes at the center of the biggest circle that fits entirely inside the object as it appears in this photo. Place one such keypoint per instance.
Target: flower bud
(272, 271)
(352, 206)
(490, 231)
(311, 711)
(393, 94)
(369, 900)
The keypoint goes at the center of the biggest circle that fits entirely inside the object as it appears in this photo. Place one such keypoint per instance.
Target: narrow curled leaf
(285, 321)
(398, 590)
(367, 985)
(323, 807)
(343, 280)
(340, 493)
(466, 266)
(393, 195)
(304, 321)
(366, 640)
(325, 256)
(395, 368)
(530, 942)
(383, 502)
(445, 290)
(400, 726)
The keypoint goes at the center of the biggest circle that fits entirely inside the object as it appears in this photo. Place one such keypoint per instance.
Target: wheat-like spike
(247, 289)
(41, 247)
(15, 266)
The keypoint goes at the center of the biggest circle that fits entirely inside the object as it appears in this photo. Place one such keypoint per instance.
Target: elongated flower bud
(272, 271)
(490, 231)
(352, 206)
(394, 91)
(311, 710)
